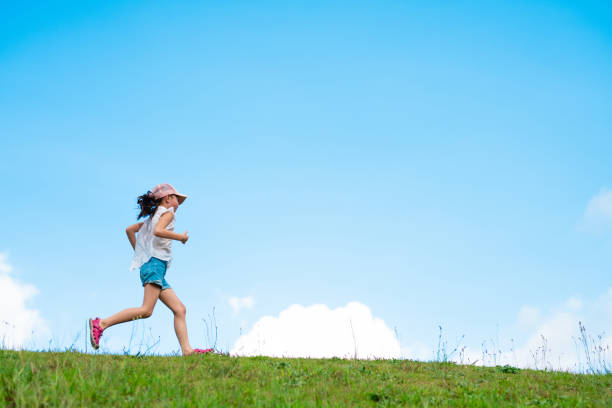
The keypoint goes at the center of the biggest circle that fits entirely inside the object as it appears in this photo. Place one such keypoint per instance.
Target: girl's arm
(162, 232)
(131, 233)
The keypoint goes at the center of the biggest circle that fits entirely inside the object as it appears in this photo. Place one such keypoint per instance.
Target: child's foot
(95, 332)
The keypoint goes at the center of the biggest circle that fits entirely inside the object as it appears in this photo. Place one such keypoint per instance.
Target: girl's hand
(185, 237)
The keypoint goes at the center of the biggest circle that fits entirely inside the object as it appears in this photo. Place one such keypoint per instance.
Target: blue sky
(433, 162)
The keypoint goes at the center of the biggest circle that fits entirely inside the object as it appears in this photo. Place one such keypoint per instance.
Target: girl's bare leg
(170, 299)
(151, 294)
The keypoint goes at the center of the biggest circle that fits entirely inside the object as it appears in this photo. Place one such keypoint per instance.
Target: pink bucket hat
(165, 189)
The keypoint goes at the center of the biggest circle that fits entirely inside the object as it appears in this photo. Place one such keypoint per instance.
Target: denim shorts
(154, 271)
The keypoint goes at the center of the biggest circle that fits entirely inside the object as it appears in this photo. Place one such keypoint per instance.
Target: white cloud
(551, 339)
(319, 332)
(5, 268)
(238, 304)
(555, 342)
(18, 323)
(418, 350)
(573, 303)
(598, 212)
(551, 345)
(529, 316)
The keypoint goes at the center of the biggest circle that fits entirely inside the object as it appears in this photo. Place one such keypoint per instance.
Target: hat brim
(181, 198)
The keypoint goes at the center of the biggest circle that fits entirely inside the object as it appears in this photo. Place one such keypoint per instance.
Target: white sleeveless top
(148, 245)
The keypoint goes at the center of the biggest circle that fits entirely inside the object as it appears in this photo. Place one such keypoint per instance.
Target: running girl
(153, 255)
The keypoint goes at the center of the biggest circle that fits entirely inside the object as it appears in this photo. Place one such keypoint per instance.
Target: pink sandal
(95, 332)
(200, 351)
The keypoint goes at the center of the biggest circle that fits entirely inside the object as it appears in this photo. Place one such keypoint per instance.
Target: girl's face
(171, 201)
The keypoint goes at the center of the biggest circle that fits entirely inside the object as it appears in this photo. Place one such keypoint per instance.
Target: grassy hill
(73, 379)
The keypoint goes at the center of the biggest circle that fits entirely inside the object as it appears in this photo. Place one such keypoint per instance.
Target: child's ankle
(102, 324)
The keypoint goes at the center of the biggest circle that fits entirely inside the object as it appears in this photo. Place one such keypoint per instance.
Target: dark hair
(147, 205)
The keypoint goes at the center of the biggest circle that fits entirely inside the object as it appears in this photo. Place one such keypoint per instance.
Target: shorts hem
(157, 283)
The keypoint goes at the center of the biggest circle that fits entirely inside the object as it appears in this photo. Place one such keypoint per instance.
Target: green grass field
(67, 379)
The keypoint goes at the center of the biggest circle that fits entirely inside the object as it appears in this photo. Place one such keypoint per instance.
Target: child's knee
(181, 310)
